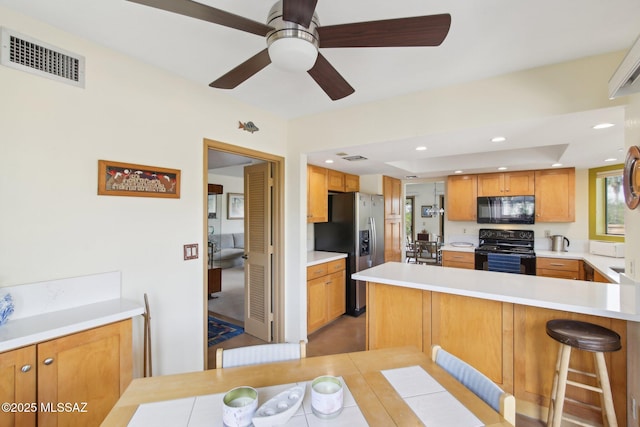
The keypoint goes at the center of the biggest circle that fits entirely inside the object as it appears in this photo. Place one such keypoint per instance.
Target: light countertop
(54, 308)
(319, 257)
(34, 329)
(601, 263)
(618, 301)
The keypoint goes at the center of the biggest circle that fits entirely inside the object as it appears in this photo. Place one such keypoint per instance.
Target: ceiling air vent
(354, 158)
(33, 56)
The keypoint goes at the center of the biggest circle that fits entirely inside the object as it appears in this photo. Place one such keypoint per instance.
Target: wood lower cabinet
(458, 259)
(535, 359)
(86, 372)
(326, 293)
(393, 240)
(462, 195)
(560, 268)
(401, 326)
(18, 386)
(599, 277)
(482, 324)
(505, 341)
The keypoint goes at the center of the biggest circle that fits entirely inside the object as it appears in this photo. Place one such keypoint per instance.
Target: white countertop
(318, 257)
(54, 308)
(599, 299)
(34, 329)
(601, 263)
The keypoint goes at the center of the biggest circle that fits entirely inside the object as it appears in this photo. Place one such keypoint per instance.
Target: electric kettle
(558, 243)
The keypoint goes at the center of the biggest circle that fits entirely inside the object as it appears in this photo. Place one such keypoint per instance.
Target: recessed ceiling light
(610, 159)
(421, 148)
(556, 165)
(603, 125)
(502, 168)
(458, 171)
(498, 139)
(328, 161)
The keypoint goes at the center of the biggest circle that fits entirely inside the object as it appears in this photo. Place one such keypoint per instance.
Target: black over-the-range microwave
(506, 210)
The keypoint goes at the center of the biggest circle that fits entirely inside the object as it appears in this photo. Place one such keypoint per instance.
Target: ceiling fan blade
(243, 71)
(331, 82)
(299, 11)
(208, 13)
(417, 31)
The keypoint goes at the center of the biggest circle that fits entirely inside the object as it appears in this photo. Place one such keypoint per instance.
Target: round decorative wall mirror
(631, 177)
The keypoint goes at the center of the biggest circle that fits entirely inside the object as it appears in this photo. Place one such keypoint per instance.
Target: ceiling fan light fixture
(293, 54)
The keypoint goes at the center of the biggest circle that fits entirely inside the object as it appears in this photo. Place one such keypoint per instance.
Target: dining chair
(257, 354)
(411, 251)
(502, 402)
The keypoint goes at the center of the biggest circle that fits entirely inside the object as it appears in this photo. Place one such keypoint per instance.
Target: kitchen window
(606, 204)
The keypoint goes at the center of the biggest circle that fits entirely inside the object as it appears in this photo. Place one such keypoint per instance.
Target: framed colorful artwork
(128, 179)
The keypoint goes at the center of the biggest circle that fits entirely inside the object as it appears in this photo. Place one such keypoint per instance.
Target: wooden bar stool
(589, 337)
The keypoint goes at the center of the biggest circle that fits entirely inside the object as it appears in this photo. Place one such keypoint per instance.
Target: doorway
(271, 322)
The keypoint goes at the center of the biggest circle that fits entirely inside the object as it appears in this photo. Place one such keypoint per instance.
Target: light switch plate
(191, 251)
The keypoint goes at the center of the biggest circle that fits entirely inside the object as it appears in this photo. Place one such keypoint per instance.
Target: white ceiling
(487, 38)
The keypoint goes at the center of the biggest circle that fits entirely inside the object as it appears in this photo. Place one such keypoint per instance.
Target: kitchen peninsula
(496, 322)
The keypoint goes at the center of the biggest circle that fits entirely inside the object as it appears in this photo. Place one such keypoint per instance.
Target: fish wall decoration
(248, 126)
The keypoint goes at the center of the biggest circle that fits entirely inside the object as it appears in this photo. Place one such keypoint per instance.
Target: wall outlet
(464, 231)
(634, 408)
(547, 233)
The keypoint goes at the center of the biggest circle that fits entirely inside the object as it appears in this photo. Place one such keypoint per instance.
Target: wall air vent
(624, 80)
(354, 158)
(33, 56)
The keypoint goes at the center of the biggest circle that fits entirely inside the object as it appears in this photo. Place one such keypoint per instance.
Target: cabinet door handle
(48, 361)
(557, 264)
(26, 368)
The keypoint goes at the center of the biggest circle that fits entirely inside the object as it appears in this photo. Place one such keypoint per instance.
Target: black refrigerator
(355, 227)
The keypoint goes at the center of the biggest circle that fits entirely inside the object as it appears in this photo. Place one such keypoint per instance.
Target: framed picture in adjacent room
(235, 206)
(426, 211)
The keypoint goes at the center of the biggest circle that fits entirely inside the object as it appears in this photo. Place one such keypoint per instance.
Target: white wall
(52, 222)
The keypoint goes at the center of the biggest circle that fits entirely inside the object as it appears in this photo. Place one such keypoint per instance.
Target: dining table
(386, 387)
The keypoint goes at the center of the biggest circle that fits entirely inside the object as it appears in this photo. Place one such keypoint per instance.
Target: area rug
(219, 331)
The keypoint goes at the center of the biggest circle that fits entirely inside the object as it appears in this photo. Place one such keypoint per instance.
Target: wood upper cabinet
(506, 184)
(335, 180)
(462, 194)
(555, 195)
(351, 183)
(393, 218)
(92, 367)
(18, 385)
(317, 194)
(342, 182)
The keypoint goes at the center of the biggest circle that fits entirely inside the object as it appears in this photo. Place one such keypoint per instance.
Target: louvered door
(258, 250)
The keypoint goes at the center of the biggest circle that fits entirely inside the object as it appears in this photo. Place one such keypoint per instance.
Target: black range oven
(508, 251)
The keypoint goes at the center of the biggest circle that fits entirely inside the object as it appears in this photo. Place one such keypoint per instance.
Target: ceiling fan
(293, 35)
